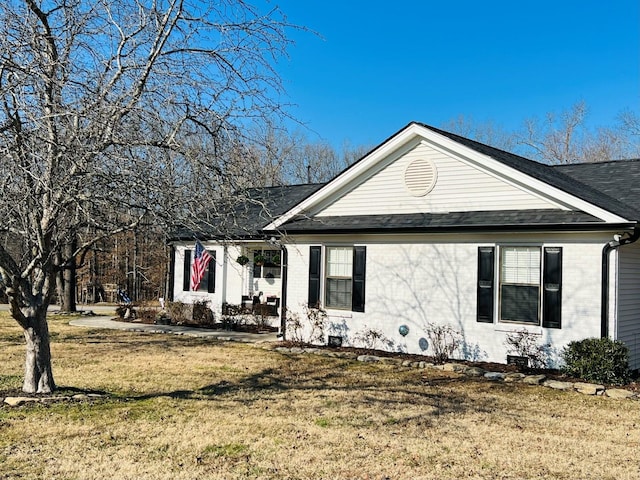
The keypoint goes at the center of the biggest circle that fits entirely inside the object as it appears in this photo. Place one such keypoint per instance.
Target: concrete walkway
(222, 335)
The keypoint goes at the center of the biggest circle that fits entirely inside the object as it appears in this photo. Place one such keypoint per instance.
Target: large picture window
(520, 284)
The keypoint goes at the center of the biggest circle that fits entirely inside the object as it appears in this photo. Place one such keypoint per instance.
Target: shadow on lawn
(439, 395)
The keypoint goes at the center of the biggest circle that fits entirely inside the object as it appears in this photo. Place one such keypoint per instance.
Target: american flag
(199, 267)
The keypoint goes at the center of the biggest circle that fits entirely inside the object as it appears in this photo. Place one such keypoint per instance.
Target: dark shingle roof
(249, 212)
(554, 176)
(446, 222)
(618, 179)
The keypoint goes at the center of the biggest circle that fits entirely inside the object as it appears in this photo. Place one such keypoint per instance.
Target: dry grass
(185, 408)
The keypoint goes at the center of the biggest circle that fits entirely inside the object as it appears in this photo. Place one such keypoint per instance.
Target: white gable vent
(420, 177)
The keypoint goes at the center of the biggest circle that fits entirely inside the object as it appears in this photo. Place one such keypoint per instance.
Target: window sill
(338, 313)
(518, 327)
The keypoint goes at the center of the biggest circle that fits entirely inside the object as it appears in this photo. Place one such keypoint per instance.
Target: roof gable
(542, 185)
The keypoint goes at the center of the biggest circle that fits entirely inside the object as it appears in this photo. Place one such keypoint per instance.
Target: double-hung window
(520, 284)
(341, 278)
(529, 280)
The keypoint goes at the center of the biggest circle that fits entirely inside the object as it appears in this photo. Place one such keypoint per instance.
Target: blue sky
(377, 65)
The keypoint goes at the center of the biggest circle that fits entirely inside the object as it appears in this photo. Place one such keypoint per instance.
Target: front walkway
(223, 335)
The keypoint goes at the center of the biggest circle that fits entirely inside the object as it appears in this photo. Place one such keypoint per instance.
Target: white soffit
(415, 134)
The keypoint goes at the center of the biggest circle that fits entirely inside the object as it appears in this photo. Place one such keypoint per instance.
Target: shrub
(202, 314)
(371, 338)
(179, 312)
(599, 360)
(444, 340)
(146, 315)
(316, 317)
(294, 327)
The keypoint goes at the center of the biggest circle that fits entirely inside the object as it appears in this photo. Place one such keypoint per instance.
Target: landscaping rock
(474, 371)
(282, 349)
(557, 385)
(618, 393)
(495, 376)
(454, 367)
(513, 377)
(534, 379)
(80, 396)
(368, 358)
(296, 350)
(588, 388)
(406, 363)
(17, 401)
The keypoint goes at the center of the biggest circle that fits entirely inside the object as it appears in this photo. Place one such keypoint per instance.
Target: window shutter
(486, 275)
(315, 255)
(552, 288)
(186, 273)
(359, 274)
(211, 273)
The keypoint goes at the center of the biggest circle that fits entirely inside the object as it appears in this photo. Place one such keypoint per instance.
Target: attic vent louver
(420, 177)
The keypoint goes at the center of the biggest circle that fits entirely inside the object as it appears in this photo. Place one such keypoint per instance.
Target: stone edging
(512, 377)
(19, 401)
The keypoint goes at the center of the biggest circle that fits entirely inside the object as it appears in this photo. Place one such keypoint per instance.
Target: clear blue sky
(377, 65)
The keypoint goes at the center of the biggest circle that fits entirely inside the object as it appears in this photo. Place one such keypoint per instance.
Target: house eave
(556, 228)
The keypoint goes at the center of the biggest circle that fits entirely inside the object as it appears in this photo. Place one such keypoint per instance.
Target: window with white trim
(339, 280)
(520, 268)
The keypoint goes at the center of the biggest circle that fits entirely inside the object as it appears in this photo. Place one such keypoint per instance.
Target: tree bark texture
(38, 375)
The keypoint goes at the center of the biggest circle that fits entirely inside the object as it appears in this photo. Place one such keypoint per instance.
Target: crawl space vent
(420, 177)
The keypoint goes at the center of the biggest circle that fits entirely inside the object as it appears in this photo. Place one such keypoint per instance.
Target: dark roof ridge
(619, 160)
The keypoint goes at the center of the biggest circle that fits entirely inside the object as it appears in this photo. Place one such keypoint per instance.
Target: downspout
(618, 241)
(283, 303)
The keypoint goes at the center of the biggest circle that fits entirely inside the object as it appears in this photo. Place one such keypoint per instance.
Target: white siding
(459, 187)
(628, 311)
(433, 280)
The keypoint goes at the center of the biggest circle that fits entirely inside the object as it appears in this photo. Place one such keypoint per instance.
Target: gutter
(617, 242)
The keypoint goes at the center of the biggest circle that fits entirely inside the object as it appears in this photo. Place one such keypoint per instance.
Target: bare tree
(559, 138)
(486, 132)
(101, 104)
(284, 158)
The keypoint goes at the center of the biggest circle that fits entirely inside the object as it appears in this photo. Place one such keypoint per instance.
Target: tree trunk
(66, 280)
(38, 376)
(68, 296)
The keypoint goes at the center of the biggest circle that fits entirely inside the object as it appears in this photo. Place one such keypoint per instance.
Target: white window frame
(328, 277)
(520, 274)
